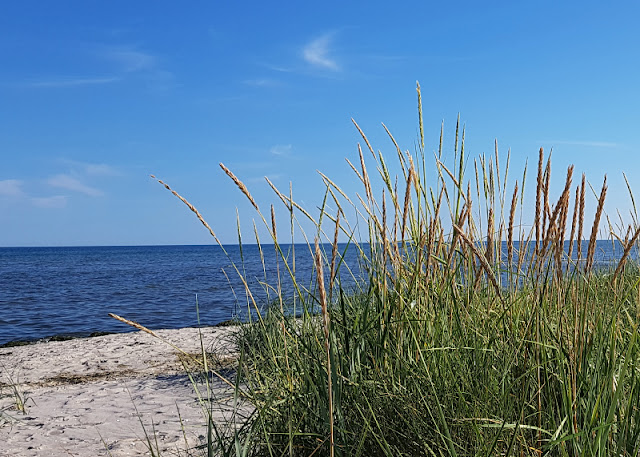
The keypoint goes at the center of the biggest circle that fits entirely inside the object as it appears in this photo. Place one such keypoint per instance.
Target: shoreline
(73, 336)
(91, 396)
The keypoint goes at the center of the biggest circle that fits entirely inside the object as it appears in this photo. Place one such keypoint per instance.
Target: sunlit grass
(450, 344)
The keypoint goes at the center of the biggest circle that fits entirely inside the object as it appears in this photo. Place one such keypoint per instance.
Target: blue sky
(95, 96)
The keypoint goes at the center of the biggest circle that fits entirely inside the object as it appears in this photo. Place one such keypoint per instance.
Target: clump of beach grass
(449, 345)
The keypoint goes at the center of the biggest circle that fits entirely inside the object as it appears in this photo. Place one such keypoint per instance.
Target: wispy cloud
(100, 169)
(69, 182)
(589, 144)
(132, 60)
(124, 62)
(11, 188)
(57, 201)
(281, 149)
(317, 53)
(70, 82)
(278, 68)
(93, 169)
(261, 82)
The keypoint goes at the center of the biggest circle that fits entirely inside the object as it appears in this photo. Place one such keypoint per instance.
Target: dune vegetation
(469, 334)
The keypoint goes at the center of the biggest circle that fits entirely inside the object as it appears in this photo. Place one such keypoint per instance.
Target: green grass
(20, 399)
(445, 348)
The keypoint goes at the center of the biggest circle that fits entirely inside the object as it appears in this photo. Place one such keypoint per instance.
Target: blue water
(71, 290)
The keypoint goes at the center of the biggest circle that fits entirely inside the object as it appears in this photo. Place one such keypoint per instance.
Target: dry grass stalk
(355, 169)
(415, 269)
(274, 233)
(191, 207)
(283, 197)
(394, 236)
(398, 150)
(364, 137)
(566, 193)
(594, 229)
(512, 214)
(334, 255)
(407, 200)
(433, 225)
(524, 246)
(626, 252)
(440, 245)
(546, 210)
(475, 166)
(372, 216)
(574, 221)
(483, 261)
(155, 335)
(539, 198)
(469, 203)
(495, 151)
(322, 297)
(633, 200)
(557, 219)
(289, 202)
(461, 221)
(453, 178)
(557, 254)
(134, 325)
(240, 185)
(491, 189)
(627, 235)
(385, 241)
(336, 187)
(581, 216)
(365, 176)
(498, 240)
(561, 234)
(490, 247)
(562, 228)
(420, 114)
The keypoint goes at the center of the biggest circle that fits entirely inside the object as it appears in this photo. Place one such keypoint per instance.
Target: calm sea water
(71, 290)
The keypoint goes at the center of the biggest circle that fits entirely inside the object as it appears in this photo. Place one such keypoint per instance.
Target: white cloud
(57, 201)
(317, 53)
(281, 149)
(70, 183)
(11, 188)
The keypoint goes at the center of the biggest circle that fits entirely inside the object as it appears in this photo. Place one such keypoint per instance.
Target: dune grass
(449, 345)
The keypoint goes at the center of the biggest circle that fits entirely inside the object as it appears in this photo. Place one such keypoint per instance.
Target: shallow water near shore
(70, 290)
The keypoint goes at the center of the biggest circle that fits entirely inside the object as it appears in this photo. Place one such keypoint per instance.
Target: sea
(50, 292)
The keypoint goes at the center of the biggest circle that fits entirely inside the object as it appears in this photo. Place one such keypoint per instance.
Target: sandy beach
(97, 396)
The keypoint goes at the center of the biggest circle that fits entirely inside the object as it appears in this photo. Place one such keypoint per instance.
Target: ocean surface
(47, 292)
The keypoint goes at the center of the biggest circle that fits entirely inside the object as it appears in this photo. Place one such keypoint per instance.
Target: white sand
(82, 394)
